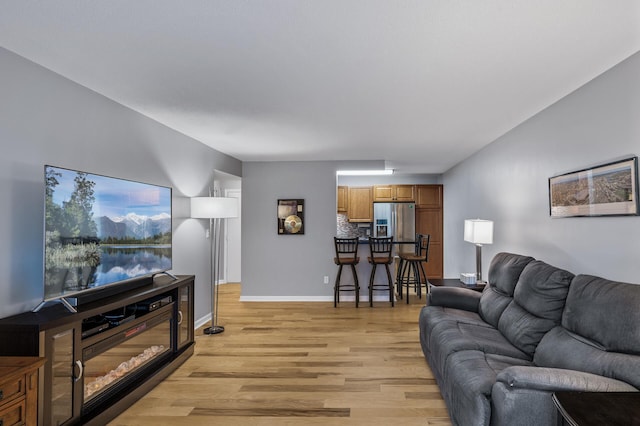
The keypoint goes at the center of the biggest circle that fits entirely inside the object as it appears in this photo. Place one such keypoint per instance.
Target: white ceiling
(422, 84)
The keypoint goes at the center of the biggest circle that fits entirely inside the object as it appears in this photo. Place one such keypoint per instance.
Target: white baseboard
(202, 321)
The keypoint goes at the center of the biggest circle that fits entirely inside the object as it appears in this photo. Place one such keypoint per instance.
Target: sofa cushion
(504, 272)
(537, 305)
(606, 312)
(469, 378)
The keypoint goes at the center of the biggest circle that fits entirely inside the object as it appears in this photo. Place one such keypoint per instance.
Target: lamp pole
(215, 250)
(479, 263)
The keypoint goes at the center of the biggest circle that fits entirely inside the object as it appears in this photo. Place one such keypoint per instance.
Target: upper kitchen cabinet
(360, 202)
(394, 193)
(429, 196)
(343, 197)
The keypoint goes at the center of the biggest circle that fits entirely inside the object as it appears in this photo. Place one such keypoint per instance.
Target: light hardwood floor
(300, 364)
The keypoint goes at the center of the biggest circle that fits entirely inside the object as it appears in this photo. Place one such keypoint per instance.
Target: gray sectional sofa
(499, 355)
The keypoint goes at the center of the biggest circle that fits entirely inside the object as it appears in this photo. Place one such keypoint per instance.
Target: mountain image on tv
(101, 230)
(134, 227)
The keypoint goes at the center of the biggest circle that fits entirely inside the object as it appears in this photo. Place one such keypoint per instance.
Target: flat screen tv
(101, 232)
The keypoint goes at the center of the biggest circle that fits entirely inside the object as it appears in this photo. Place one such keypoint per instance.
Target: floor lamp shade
(478, 232)
(216, 209)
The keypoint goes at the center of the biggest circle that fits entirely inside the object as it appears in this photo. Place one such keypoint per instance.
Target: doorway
(233, 240)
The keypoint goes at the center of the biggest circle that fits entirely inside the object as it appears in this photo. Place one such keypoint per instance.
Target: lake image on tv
(101, 230)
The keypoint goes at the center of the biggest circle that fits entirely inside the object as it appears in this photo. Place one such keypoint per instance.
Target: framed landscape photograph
(606, 190)
(291, 217)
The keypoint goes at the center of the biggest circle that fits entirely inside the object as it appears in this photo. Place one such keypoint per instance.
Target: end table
(598, 408)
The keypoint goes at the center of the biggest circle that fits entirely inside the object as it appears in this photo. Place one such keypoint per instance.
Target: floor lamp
(478, 232)
(215, 209)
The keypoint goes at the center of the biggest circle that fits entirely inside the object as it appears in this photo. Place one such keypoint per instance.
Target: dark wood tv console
(103, 358)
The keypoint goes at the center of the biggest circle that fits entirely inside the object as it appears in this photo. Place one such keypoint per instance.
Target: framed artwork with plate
(291, 217)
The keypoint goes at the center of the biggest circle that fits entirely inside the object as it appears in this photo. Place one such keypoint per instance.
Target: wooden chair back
(422, 246)
(380, 248)
(346, 249)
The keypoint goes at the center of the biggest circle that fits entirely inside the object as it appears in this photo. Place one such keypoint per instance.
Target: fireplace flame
(121, 370)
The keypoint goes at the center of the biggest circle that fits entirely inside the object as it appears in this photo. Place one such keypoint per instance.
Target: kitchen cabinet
(429, 196)
(343, 197)
(360, 204)
(429, 220)
(394, 193)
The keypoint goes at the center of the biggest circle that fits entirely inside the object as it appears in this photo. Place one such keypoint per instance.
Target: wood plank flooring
(300, 364)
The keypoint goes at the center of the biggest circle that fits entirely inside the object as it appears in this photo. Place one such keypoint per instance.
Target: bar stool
(346, 254)
(411, 268)
(380, 250)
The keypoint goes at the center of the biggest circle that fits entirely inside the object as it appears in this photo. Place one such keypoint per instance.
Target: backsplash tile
(346, 229)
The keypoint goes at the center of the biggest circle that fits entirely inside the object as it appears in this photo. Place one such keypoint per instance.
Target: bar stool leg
(356, 284)
(372, 276)
(399, 278)
(336, 288)
(416, 278)
(386, 265)
(405, 279)
(426, 281)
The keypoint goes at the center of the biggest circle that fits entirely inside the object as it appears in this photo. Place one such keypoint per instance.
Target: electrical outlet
(326, 279)
(206, 234)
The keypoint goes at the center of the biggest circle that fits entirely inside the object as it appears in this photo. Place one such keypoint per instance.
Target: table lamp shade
(478, 231)
(214, 207)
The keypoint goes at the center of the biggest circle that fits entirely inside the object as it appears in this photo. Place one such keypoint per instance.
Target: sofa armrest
(454, 297)
(556, 379)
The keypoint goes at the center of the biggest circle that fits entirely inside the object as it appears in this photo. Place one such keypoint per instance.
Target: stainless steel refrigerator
(397, 220)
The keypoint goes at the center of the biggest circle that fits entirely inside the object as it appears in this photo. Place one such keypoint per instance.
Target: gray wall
(508, 183)
(290, 267)
(46, 119)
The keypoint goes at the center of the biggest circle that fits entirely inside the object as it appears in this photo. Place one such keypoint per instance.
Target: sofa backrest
(604, 311)
(600, 331)
(537, 305)
(504, 272)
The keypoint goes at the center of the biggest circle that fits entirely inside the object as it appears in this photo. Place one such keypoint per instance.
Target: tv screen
(101, 231)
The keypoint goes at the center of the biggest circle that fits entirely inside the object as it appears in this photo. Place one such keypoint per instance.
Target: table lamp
(478, 232)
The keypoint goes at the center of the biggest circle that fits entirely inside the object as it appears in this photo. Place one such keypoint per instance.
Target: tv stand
(109, 353)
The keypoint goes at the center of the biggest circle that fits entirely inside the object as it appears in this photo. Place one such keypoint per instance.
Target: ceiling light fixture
(364, 172)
